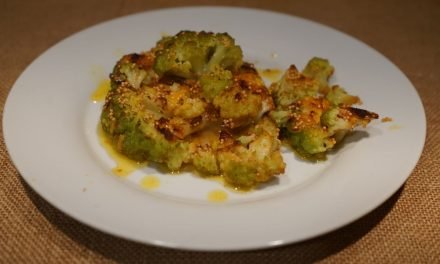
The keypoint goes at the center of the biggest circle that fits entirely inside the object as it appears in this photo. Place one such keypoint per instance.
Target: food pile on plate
(191, 101)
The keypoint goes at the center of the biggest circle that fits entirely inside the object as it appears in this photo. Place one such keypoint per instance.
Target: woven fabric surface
(404, 229)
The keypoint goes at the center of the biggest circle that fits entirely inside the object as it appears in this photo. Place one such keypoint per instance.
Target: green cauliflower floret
(191, 100)
(338, 96)
(237, 172)
(245, 100)
(134, 69)
(238, 105)
(316, 126)
(313, 116)
(293, 86)
(334, 121)
(304, 130)
(134, 75)
(244, 159)
(135, 135)
(320, 70)
(341, 120)
(189, 54)
(255, 159)
(203, 151)
(281, 117)
(311, 143)
(205, 161)
(214, 82)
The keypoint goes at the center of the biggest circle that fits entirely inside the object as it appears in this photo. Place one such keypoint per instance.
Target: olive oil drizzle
(217, 196)
(124, 166)
(272, 75)
(150, 182)
(101, 91)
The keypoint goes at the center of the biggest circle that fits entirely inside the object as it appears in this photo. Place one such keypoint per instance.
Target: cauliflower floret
(244, 159)
(245, 166)
(188, 54)
(313, 116)
(338, 96)
(191, 100)
(245, 100)
(319, 69)
(215, 81)
(293, 86)
(134, 132)
(134, 70)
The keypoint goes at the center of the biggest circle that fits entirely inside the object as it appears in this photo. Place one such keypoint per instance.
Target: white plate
(50, 131)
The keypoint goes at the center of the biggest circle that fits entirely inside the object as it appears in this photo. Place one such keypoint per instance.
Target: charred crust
(361, 113)
(211, 113)
(225, 136)
(293, 68)
(243, 84)
(196, 121)
(248, 67)
(117, 78)
(237, 96)
(162, 125)
(134, 57)
(169, 79)
(144, 60)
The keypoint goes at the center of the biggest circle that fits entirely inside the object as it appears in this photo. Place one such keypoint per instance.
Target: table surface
(404, 229)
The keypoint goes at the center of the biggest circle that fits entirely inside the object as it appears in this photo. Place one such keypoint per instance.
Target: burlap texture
(405, 229)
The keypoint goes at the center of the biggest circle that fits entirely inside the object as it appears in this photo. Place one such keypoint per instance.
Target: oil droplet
(386, 119)
(101, 91)
(124, 166)
(217, 196)
(272, 75)
(150, 182)
(394, 127)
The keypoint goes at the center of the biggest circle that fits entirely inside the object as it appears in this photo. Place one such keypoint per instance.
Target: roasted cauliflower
(192, 101)
(314, 116)
(190, 54)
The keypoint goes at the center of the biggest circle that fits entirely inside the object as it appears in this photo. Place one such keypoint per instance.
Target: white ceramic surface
(50, 132)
